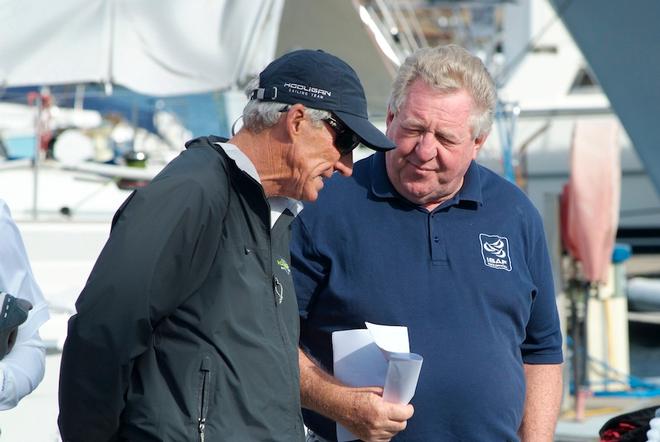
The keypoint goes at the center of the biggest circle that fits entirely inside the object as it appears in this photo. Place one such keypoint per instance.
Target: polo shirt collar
(383, 188)
(471, 189)
(380, 182)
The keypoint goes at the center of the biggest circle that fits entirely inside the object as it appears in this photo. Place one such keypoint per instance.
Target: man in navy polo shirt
(423, 236)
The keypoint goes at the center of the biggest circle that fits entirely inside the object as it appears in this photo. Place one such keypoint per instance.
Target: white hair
(449, 69)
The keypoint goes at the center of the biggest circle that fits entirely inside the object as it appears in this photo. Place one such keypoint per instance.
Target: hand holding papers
(378, 355)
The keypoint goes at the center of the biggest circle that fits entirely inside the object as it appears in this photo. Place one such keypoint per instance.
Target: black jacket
(187, 328)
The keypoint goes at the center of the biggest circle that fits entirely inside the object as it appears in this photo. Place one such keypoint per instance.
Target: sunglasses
(345, 139)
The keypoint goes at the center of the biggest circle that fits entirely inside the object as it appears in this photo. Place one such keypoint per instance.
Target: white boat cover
(156, 47)
(644, 294)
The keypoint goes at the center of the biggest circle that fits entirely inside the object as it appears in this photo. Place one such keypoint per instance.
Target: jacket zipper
(205, 379)
(278, 291)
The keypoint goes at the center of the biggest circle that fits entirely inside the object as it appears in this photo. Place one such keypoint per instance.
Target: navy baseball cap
(322, 81)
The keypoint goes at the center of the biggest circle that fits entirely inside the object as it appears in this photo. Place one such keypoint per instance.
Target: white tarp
(156, 47)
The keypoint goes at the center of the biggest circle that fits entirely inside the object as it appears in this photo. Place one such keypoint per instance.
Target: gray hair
(259, 115)
(449, 69)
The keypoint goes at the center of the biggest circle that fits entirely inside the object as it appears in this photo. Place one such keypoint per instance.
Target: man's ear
(294, 118)
(478, 143)
(389, 118)
(388, 121)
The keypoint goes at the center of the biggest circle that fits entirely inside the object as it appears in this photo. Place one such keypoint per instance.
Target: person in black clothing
(187, 328)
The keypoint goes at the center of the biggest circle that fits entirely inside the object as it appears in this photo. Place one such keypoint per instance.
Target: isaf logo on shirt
(495, 251)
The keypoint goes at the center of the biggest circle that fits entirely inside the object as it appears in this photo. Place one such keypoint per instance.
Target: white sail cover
(156, 47)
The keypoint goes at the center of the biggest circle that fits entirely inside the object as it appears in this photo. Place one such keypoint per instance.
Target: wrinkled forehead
(459, 101)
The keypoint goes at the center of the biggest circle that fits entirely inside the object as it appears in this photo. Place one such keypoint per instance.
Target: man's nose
(426, 148)
(345, 164)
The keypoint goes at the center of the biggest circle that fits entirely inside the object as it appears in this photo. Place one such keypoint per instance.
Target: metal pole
(37, 152)
(505, 117)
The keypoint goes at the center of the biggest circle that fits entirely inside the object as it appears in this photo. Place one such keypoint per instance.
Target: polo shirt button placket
(438, 254)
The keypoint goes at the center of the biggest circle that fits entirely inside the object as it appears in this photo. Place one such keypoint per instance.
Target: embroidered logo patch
(495, 251)
(284, 265)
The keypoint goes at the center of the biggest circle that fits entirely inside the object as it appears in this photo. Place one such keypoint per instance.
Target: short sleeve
(543, 340)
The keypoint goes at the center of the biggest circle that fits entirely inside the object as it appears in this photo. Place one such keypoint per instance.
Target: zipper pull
(278, 289)
(200, 428)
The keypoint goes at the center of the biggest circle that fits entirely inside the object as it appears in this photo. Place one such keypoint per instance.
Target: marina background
(85, 132)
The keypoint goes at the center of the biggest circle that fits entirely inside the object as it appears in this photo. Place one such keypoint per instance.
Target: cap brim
(368, 133)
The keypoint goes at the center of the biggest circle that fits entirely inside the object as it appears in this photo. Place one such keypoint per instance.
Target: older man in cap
(187, 328)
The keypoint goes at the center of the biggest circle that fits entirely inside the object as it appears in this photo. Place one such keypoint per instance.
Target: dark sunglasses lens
(346, 142)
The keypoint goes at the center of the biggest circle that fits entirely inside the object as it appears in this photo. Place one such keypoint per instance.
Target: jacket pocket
(203, 395)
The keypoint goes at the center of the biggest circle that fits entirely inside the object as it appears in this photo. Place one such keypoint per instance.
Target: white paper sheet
(390, 338)
(376, 356)
(402, 375)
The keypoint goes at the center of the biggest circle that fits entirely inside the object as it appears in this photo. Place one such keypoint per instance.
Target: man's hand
(371, 418)
(362, 410)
